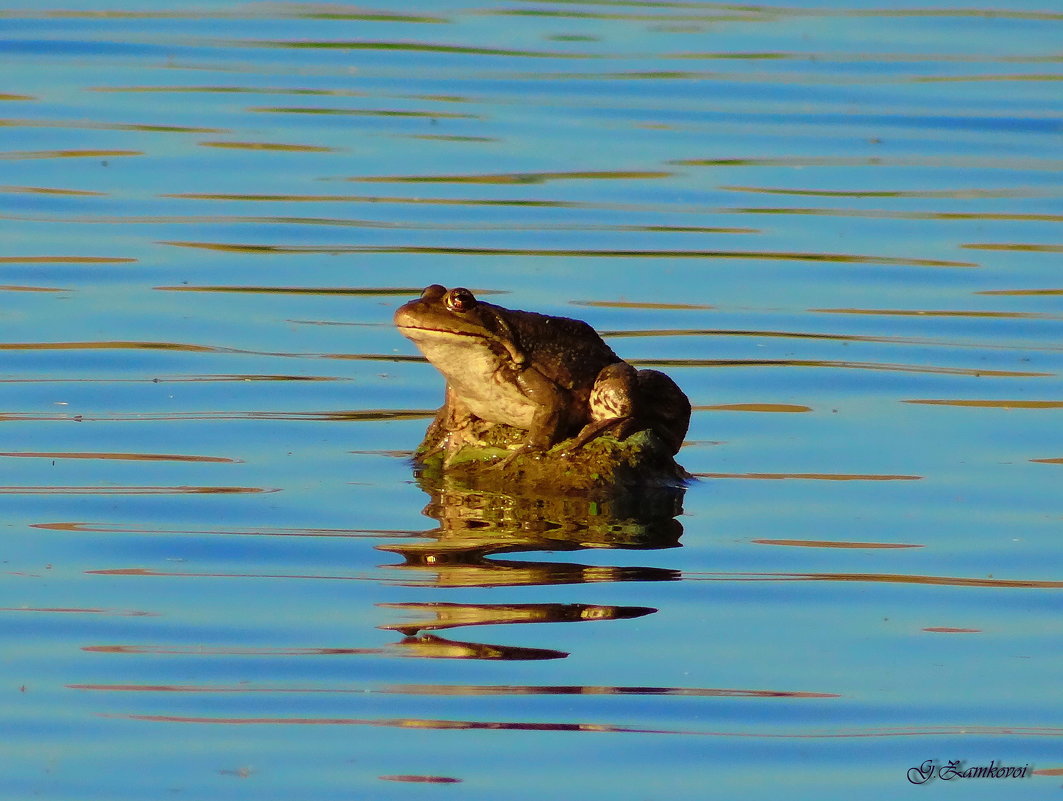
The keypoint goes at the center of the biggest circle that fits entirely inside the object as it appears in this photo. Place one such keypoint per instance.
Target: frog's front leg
(550, 419)
(453, 427)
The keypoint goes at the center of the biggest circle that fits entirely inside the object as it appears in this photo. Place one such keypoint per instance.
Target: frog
(553, 377)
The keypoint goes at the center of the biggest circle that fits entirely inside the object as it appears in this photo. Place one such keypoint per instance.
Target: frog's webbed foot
(620, 427)
(519, 453)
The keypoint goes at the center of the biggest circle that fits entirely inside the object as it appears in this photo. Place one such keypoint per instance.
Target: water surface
(836, 226)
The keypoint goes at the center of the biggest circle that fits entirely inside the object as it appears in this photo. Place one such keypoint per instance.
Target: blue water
(835, 225)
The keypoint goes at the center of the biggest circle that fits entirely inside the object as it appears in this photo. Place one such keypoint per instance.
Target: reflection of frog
(553, 377)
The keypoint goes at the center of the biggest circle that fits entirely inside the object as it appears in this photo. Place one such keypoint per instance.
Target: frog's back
(569, 351)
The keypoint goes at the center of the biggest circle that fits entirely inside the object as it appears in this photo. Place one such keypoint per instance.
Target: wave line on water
(460, 690)
(601, 728)
(131, 490)
(417, 250)
(813, 476)
(845, 365)
(366, 415)
(886, 578)
(258, 531)
(134, 457)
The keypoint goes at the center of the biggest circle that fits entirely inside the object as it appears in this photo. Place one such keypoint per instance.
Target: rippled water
(837, 227)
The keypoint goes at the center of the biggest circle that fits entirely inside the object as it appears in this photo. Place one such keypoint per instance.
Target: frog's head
(442, 311)
(444, 322)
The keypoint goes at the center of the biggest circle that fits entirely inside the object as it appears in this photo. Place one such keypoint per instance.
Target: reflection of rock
(446, 616)
(476, 524)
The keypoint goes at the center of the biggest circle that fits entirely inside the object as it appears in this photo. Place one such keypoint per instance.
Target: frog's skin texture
(552, 377)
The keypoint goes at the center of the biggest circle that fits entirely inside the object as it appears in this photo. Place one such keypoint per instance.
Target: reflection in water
(448, 615)
(476, 524)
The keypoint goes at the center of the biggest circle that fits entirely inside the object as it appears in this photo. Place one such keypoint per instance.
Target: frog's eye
(460, 299)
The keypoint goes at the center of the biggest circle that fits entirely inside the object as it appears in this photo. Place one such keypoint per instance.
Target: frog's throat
(510, 347)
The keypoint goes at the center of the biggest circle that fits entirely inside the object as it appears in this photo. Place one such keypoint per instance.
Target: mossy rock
(601, 468)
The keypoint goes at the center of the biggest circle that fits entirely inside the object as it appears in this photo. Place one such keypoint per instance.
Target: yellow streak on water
(754, 407)
(127, 490)
(275, 146)
(991, 404)
(131, 457)
(835, 544)
(813, 476)
(42, 190)
(12, 288)
(68, 154)
(65, 260)
(1026, 248)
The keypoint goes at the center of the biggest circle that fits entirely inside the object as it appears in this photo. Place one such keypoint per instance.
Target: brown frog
(554, 377)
